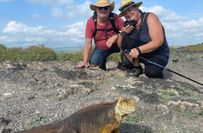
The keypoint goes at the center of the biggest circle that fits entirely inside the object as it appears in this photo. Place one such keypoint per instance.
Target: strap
(111, 18)
(94, 17)
(107, 30)
(113, 22)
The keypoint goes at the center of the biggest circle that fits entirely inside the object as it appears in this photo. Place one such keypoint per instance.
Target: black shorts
(154, 70)
(150, 70)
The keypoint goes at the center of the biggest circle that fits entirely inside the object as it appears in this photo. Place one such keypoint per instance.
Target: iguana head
(125, 106)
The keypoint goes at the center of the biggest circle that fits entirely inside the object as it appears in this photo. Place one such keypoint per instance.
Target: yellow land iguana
(99, 118)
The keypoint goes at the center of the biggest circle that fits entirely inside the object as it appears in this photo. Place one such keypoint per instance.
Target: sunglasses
(105, 8)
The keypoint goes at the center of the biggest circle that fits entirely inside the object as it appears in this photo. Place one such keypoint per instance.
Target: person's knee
(93, 62)
(96, 62)
(154, 73)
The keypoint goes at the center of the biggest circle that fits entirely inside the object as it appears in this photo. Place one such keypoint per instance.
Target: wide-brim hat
(102, 3)
(126, 4)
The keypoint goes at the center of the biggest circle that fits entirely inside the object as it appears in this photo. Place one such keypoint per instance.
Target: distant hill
(192, 48)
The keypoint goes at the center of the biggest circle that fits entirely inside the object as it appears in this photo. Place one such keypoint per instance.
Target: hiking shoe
(121, 66)
(136, 71)
(103, 66)
(124, 67)
(126, 63)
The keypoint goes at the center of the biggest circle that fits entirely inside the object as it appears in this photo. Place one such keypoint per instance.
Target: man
(104, 32)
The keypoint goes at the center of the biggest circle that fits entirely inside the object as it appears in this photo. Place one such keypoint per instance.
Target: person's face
(131, 13)
(103, 12)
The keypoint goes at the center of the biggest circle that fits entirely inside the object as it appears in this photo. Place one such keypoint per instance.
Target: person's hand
(127, 29)
(111, 40)
(134, 53)
(82, 65)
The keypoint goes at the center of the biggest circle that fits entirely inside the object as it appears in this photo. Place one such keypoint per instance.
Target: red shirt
(102, 36)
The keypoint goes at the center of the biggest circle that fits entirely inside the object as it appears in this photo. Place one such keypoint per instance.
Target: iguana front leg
(117, 130)
(110, 129)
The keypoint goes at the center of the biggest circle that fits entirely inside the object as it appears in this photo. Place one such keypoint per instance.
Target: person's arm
(111, 40)
(88, 44)
(86, 53)
(156, 35)
(87, 50)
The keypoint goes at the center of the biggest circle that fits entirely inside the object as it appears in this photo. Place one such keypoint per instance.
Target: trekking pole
(160, 66)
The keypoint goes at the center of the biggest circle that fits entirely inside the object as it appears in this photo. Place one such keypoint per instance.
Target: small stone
(7, 94)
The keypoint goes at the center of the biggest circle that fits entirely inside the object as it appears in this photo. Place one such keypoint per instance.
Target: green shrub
(77, 56)
(114, 57)
(14, 54)
(33, 53)
(10, 53)
(3, 52)
(2, 47)
(192, 48)
(73, 56)
(173, 49)
(39, 53)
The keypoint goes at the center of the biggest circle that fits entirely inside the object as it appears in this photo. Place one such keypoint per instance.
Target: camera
(129, 22)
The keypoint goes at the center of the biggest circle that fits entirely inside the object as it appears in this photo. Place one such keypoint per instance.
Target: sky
(60, 24)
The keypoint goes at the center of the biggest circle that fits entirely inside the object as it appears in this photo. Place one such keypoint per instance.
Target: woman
(143, 39)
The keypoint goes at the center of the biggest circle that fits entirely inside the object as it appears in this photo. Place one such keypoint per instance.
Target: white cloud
(57, 13)
(15, 28)
(3, 37)
(76, 32)
(51, 2)
(180, 30)
(164, 14)
(20, 34)
(73, 11)
(36, 16)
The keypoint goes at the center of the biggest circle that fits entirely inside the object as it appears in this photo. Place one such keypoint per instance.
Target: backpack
(111, 18)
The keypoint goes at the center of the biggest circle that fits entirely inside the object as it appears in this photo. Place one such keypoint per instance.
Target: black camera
(129, 22)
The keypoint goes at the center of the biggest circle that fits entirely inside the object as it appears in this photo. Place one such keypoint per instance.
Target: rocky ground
(37, 93)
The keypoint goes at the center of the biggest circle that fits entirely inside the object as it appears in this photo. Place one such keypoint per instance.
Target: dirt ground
(38, 93)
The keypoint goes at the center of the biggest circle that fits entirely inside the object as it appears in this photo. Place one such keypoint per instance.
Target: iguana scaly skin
(99, 118)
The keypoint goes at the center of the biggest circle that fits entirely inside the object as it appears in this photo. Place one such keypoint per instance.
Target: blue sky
(61, 23)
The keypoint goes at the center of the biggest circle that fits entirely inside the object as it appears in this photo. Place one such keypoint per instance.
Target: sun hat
(126, 4)
(102, 3)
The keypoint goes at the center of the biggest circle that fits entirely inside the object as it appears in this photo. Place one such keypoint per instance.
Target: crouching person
(143, 36)
(103, 28)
